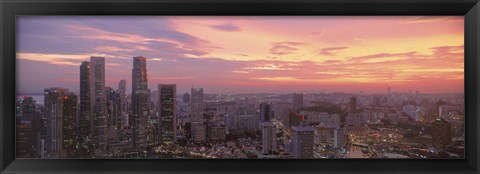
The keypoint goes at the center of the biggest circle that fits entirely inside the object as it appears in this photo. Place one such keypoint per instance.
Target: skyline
(245, 54)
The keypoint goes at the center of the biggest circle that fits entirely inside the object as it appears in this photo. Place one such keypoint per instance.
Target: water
(38, 98)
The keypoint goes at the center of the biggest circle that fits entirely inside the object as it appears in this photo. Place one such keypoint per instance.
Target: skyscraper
(167, 113)
(269, 137)
(353, 104)
(441, 133)
(302, 142)
(69, 132)
(53, 99)
(139, 102)
(85, 102)
(99, 120)
(122, 90)
(265, 112)
(186, 98)
(85, 91)
(297, 102)
(198, 129)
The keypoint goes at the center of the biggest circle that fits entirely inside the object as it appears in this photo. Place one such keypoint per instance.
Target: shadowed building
(167, 113)
(139, 103)
(99, 119)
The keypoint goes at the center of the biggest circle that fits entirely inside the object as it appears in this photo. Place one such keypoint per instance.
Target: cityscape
(140, 103)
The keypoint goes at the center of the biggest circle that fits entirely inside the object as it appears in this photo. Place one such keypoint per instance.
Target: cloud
(385, 56)
(283, 48)
(226, 27)
(330, 51)
(448, 51)
(429, 19)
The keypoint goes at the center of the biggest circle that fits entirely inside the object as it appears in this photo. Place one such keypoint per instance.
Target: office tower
(197, 105)
(269, 137)
(441, 133)
(140, 97)
(439, 103)
(302, 141)
(23, 143)
(113, 108)
(69, 132)
(339, 137)
(388, 90)
(99, 120)
(353, 104)
(196, 110)
(265, 112)
(167, 113)
(186, 97)
(442, 111)
(297, 102)
(122, 90)
(28, 108)
(53, 101)
(199, 132)
(85, 79)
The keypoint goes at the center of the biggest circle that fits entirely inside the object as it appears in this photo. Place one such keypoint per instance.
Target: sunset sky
(248, 54)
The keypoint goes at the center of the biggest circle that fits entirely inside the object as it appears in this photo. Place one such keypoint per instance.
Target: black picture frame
(11, 8)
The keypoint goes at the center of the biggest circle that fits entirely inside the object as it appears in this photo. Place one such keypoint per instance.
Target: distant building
(167, 97)
(297, 102)
(441, 133)
(197, 105)
(353, 104)
(199, 132)
(216, 131)
(442, 111)
(198, 129)
(245, 123)
(265, 112)
(294, 119)
(302, 142)
(122, 90)
(282, 110)
(269, 137)
(339, 138)
(186, 98)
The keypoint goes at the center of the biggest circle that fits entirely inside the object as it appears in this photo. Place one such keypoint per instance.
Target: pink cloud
(330, 51)
(283, 48)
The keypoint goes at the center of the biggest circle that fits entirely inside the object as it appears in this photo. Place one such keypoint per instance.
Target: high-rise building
(353, 104)
(85, 79)
(388, 90)
(302, 142)
(68, 134)
(339, 138)
(85, 101)
(53, 102)
(186, 98)
(198, 129)
(441, 133)
(99, 119)
(269, 137)
(265, 112)
(113, 108)
(197, 105)
(122, 90)
(167, 113)
(297, 102)
(140, 112)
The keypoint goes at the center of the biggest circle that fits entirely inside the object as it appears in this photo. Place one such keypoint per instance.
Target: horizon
(248, 55)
